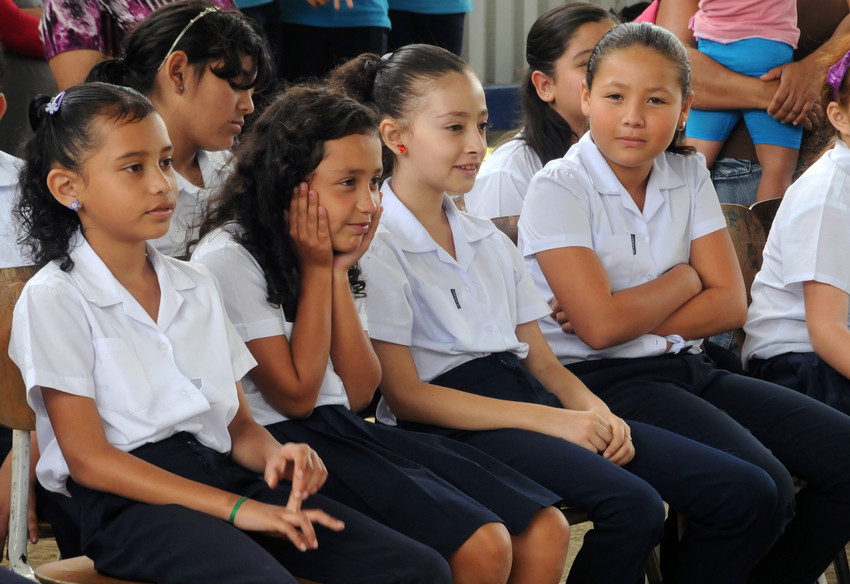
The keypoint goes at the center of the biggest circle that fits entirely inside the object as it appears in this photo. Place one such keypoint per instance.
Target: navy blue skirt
(432, 489)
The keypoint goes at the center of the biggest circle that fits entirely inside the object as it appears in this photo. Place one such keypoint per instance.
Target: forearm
(72, 67)
(252, 445)
(716, 87)
(351, 352)
(310, 342)
(710, 312)
(831, 342)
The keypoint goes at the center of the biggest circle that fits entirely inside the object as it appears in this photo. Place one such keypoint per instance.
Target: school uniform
(166, 392)
(192, 201)
(502, 180)
(458, 317)
(432, 489)
(806, 243)
(10, 251)
(578, 201)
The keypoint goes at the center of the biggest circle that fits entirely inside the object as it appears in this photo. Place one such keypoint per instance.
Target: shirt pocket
(623, 256)
(444, 313)
(120, 381)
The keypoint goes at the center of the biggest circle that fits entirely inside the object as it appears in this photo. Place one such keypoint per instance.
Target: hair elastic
(54, 104)
(836, 73)
(182, 32)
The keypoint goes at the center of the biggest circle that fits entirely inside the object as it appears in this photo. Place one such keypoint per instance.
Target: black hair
(544, 130)
(393, 84)
(282, 150)
(65, 138)
(219, 37)
(650, 36)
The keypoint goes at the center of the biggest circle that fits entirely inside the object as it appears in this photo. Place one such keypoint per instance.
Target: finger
(336, 4)
(804, 113)
(599, 443)
(307, 530)
(567, 327)
(293, 503)
(32, 523)
(350, 4)
(291, 532)
(318, 476)
(322, 518)
(312, 214)
(772, 75)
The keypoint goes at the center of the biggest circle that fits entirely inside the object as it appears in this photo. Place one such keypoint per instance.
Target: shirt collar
(100, 287)
(662, 177)
(411, 236)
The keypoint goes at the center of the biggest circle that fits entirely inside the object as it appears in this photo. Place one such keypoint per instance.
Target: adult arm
(414, 400)
(71, 67)
(715, 87)
(826, 321)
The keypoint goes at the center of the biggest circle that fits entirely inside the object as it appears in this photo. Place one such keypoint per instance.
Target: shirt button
(489, 329)
(163, 347)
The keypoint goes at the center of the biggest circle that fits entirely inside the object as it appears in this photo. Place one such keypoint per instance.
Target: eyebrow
(459, 114)
(138, 153)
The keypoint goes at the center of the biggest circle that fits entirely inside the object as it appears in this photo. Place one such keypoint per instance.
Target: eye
(614, 96)
(166, 163)
(375, 182)
(657, 100)
(484, 126)
(134, 168)
(348, 182)
(455, 128)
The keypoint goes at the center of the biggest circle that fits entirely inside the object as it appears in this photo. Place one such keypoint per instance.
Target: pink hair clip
(836, 73)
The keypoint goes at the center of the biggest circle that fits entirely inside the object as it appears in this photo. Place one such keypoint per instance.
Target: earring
(75, 205)
(402, 148)
(681, 126)
(180, 88)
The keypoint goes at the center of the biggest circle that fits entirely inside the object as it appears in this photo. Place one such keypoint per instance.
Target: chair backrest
(748, 238)
(509, 225)
(14, 411)
(765, 211)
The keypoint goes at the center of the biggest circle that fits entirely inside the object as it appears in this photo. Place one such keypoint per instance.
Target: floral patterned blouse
(100, 25)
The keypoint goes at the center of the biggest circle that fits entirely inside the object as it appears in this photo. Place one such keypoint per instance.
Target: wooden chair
(509, 225)
(748, 238)
(765, 211)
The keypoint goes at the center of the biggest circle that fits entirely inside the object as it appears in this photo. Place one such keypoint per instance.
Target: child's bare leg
(484, 558)
(777, 169)
(708, 148)
(540, 551)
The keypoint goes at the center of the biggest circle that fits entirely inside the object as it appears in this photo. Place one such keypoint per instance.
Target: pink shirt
(726, 21)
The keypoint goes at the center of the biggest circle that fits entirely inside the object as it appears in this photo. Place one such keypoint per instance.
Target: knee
(637, 514)
(754, 500)
(550, 527)
(430, 568)
(485, 557)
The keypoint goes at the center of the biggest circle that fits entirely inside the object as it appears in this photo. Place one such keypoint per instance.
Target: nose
(367, 202)
(476, 140)
(633, 114)
(246, 101)
(160, 181)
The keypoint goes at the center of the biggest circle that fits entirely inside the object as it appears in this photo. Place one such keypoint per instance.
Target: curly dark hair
(283, 149)
(65, 138)
(221, 38)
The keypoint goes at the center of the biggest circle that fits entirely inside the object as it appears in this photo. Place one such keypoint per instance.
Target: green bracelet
(236, 508)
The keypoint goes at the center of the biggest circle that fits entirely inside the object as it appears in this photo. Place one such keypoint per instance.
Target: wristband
(235, 509)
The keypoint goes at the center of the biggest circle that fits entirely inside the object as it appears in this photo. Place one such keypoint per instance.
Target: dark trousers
(777, 429)
(7, 577)
(808, 374)
(729, 503)
(173, 544)
(312, 51)
(442, 30)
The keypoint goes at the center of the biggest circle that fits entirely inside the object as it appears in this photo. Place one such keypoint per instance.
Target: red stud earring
(402, 148)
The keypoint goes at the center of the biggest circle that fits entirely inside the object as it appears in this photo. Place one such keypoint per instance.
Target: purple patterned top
(99, 25)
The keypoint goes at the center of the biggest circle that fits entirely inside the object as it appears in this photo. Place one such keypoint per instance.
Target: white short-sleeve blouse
(503, 179)
(578, 201)
(244, 288)
(809, 241)
(10, 251)
(83, 333)
(448, 311)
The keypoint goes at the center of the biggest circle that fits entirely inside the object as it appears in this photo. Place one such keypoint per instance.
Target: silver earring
(180, 88)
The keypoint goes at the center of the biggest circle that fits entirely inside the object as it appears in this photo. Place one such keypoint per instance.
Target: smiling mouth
(467, 167)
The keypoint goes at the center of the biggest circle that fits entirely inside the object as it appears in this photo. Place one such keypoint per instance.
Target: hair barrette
(182, 32)
(386, 57)
(54, 104)
(836, 73)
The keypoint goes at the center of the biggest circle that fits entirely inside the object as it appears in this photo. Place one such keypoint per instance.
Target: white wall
(494, 42)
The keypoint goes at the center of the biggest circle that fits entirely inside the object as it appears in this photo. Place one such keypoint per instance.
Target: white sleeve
(556, 212)
(243, 288)
(388, 294)
(708, 216)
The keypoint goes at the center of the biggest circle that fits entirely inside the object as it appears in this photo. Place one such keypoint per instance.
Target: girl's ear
(585, 98)
(62, 184)
(176, 70)
(392, 134)
(686, 108)
(838, 117)
(544, 85)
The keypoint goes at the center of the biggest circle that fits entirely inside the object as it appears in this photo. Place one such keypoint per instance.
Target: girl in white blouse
(132, 368)
(627, 234)
(453, 318)
(284, 239)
